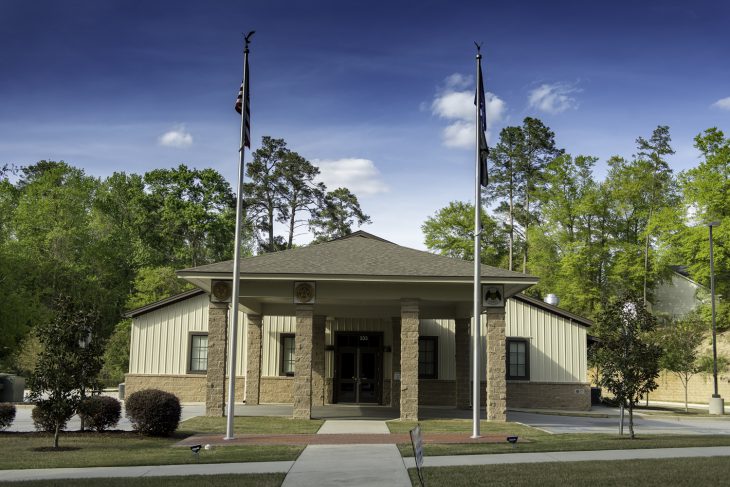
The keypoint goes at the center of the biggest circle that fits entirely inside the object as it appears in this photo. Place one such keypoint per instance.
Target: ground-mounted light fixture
(512, 440)
(196, 451)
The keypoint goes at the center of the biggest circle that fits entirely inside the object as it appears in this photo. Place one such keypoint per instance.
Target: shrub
(44, 418)
(100, 412)
(153, 412)
(7, 415)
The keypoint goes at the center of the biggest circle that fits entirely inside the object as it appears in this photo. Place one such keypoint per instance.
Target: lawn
(619, 473)
(535, 440)
(21, 450)
(248, 480)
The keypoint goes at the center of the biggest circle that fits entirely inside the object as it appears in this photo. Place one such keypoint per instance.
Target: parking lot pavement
(642, 424)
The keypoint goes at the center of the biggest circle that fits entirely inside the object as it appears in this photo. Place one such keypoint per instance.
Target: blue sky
(377, 93)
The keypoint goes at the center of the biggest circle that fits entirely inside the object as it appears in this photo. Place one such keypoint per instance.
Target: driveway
(643, 424)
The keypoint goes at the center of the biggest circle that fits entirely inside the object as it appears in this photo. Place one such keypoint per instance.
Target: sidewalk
(353, 464)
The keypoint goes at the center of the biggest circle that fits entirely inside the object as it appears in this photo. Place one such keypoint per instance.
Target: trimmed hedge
(100, 412)
(43, 419)
(153, 412)
(7, 415)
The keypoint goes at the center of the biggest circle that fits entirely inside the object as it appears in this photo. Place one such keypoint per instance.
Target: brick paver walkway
(337, 439)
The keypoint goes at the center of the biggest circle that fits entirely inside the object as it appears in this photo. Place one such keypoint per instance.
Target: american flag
(241, 102)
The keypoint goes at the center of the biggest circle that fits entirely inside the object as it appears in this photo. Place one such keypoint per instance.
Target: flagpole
(476, 344)
(230, 411)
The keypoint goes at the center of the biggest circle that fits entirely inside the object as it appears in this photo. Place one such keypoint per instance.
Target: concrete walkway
(357, 465)
(373, 464)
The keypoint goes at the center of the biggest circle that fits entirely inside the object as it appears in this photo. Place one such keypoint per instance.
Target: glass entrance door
(358, 374)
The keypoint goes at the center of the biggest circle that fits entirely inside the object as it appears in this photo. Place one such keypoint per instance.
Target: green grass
(463, 425)
(535, 440)
(253, 425)
(619, 473)
(122, 449)
(248, 480)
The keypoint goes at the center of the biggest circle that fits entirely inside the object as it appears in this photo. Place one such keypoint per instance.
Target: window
(518, 359)
(198, 353)
(287, 355)
(428, 357)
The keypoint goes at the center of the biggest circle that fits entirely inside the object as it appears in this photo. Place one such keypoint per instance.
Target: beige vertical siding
(273, 327)
(160, 341)
(557, 344)
(444, 330)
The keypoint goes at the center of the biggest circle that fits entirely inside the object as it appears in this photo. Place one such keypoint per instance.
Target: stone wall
(277, 390)
(700, 389)
(215, 380)
(188, 388)
(409, 359)
(437, 392)
(496, 367)
(549, 395)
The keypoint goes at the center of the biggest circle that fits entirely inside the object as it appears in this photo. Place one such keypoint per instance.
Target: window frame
(191, 337)
(526, 343)
(283, 337)
(435, 340)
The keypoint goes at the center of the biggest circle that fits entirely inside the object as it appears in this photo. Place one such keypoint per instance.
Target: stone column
(253, 359)
(462, 352)
(409, 359)
(395, 363)
(303, 363)
(318, 327)
(215, 381)
(496, 365)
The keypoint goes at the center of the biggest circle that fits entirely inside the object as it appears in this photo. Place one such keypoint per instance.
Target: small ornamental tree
(68, 364)
(628, 355)
(680, 341)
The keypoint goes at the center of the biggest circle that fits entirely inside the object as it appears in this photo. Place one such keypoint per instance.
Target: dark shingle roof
(359, 254)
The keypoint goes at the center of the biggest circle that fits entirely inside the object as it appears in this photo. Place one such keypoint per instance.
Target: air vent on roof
(552, 299)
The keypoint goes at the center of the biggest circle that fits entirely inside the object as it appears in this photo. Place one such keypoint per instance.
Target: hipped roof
(359, 255)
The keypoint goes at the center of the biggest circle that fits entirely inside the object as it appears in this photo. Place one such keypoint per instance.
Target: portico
(356, 320)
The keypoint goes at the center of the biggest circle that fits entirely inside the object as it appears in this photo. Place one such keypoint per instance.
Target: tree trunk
(686, 386)
(56, 434)
(511, 225)
(631, 419)
(527, 227)
(291, 230)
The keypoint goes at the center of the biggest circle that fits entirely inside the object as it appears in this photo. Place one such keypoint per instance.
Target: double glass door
(358, 369)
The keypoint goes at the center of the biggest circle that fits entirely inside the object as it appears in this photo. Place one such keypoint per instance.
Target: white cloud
(358, 175)
(723, 103)
(177, 137)
(455, 102)
(553, 98)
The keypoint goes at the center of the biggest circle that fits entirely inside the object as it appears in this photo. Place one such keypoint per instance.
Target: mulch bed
(336, 439)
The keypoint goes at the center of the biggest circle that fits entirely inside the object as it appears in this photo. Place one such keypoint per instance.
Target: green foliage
(450, 232)
(100, 412)
(628, 355)
(7, 415)
(189, 217)
(679, 342)
(282, 188)
(336, 215)
(705, 364)
(153, 412)
(50, 419)
(153, 284)
(68, 364)
(116, 354)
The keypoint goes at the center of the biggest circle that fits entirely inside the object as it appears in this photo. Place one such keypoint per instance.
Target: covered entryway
(358, 374)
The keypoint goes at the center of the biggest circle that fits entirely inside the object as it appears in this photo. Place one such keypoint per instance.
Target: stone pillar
(395, 363)
(215, 381)
(462, 352)
(303, 363)
(496, 365)
(253, 359)
(409, 359)
(318, 327)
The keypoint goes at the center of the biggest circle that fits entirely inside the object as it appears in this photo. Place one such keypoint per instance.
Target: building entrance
(358, 371)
